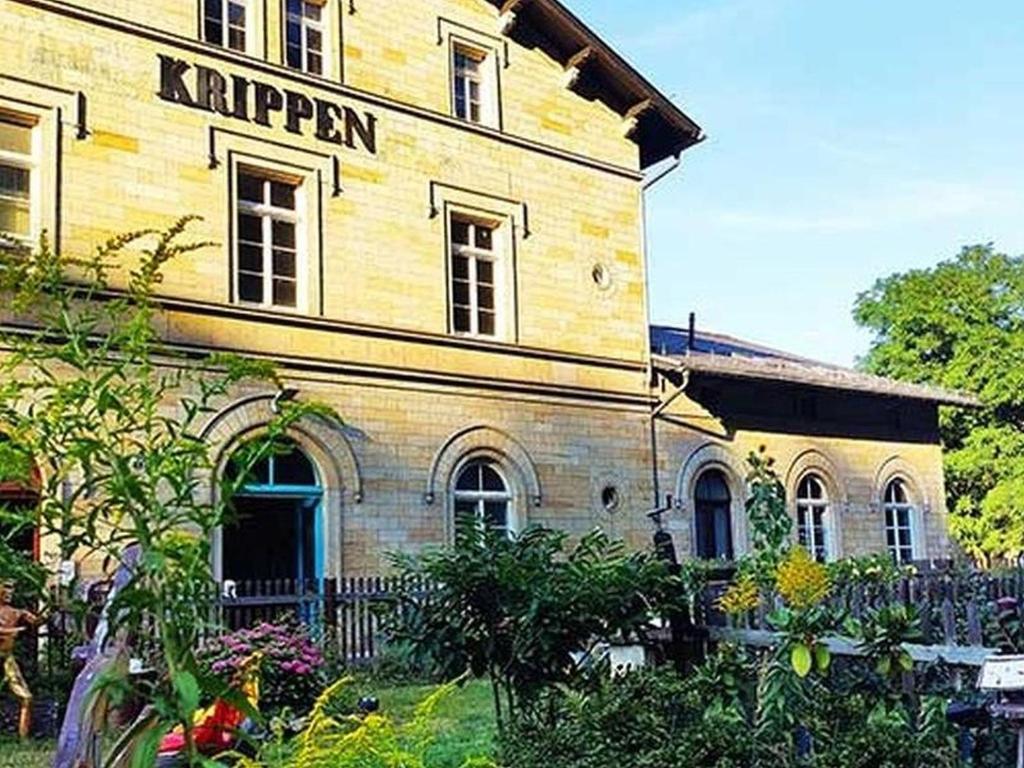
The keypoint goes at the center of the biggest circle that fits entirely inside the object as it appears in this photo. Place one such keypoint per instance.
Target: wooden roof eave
(661, 128)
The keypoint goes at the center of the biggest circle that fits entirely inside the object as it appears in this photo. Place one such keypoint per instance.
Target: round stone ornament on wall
(602, 276)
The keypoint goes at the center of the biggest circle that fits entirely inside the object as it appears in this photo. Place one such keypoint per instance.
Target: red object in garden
(214, 733)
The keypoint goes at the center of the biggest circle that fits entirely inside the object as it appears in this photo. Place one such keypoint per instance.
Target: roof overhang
(805, 374)
(660, 128)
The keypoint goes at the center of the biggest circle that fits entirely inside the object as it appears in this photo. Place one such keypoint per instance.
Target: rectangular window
(225, 23)
(475, 270)
(472, 85)
(304, 36)
(268, 243)
(811, 531)
(899, 529)
(18, 169)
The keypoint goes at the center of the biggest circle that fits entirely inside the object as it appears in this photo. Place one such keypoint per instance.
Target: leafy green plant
(111, 414)
(884, 634)
(526, 611)
(771, 527)
(356, 741)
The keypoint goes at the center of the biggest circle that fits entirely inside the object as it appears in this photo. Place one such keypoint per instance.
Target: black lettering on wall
(268, 99)
(172, 84)
(299, 108)
(367, 131)
(212, 91)
(240, 91)
(326, 129)
(243, 99)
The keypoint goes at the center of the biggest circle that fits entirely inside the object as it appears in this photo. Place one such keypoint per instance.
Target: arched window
(276, 531)
(899, 521)
(482, 497)
(713, 516)
(812, 513)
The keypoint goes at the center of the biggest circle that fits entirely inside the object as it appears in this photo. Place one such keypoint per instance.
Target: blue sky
(847, 141)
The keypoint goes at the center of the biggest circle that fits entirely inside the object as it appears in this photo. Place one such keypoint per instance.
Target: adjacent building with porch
(431, 217)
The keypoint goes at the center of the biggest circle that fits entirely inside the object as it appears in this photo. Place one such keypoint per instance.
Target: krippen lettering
(202, 87)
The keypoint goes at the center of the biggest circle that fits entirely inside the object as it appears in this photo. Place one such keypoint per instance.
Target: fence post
(331, 604)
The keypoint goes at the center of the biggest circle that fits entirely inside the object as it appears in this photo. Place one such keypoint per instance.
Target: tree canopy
(960, 325)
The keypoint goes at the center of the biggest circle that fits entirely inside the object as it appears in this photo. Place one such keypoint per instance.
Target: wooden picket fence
(342, 612)
(956, 608)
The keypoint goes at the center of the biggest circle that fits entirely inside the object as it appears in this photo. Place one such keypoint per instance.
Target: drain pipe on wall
(676, 163)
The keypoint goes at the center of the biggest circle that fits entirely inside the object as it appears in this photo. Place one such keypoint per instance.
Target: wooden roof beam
(631, 120)
(508, 13)
(575, 65)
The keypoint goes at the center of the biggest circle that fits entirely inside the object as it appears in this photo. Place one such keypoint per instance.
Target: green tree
(111, 415)
(961, 325)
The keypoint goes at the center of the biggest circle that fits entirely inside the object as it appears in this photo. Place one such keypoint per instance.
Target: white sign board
(1002, 673)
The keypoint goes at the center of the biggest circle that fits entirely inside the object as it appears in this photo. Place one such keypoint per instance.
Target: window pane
(236, 39)
(15, 137)
(295, 7)
(282, 195)
(460, 100)
(294, 54)
(250, 188)
(460, 293)
(460, 267)
(250, 228)
(250, 258)
(15, 217)
(460, 232)
(294, 468)
(250, 287)
(487, 324)
(485, 272)
(213, 32)
(485, 297)
(315, 65)
(314, 40)
(460, 320)
(313, 11)
(15, 182)
(284, 263)
(214, 9)
(469, 479)
(465, 513)
(284, 293)
(485, 238)
(496, 514)
(474, 112)
(491, 480)
(284, 234)
(236, 14)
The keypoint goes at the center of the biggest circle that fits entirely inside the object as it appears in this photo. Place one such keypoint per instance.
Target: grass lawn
(465, 726)
(31, 754)
(465, 721)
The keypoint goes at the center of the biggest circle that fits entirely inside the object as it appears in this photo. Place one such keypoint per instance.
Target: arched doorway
(276, 531)
(712, 505)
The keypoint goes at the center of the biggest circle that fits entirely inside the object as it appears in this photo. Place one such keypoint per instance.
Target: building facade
(430, 217)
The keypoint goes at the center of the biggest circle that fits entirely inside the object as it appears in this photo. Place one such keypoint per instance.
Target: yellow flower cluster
(741, 597)
(802, 582)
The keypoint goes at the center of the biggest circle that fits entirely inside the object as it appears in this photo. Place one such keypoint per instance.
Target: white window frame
(911, 529)
(30, 163)
(809, 507)
(225, 21)
(480, 498)
(305, 24)
(485, 76)
(268, 214)
(474, 255)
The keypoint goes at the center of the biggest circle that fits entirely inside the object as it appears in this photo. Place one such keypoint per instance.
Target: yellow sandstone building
(430, 216)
